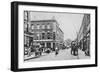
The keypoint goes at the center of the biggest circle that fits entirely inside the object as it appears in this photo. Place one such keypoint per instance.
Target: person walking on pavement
(56, 51)
(76, 49)
(73, 48)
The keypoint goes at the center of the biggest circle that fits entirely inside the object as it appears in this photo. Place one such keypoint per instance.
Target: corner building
(45, 33)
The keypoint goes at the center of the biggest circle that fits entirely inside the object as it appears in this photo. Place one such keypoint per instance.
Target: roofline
(44, 21)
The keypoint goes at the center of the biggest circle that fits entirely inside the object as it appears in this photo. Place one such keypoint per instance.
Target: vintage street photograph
(52, 36)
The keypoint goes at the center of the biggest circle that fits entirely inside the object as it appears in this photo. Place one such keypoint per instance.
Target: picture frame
(19, 55)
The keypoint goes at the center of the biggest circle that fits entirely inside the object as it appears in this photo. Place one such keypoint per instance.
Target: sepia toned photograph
(56, 36)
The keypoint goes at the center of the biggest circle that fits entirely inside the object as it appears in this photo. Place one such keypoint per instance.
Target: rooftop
(44, 21)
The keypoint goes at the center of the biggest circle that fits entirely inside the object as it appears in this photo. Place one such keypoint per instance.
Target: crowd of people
(75, 47)
(39, 51)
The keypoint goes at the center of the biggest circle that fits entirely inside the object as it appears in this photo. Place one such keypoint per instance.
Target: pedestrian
(29, 51)
(36, 51)
(56, 51)
(72, 48)
(76, 50)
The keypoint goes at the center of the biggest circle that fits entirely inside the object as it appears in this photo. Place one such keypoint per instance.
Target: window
(26, 40)
(49, 36)
(38, 36)
(49, 45)
(26, 15)
(32, 26)
(43, 44)
(43, 26)
(48, 26)
(43, 35)
(54, 36)
(38, 26)
(88, 18)
(25, 27)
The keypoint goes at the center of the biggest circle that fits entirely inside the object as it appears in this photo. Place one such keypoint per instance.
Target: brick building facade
(84, 33)
(45, 33)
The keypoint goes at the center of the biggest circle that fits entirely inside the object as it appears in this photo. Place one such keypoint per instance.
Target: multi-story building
(45, 33)
(84, 33)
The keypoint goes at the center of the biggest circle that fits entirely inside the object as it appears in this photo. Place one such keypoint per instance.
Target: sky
(69, 22)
